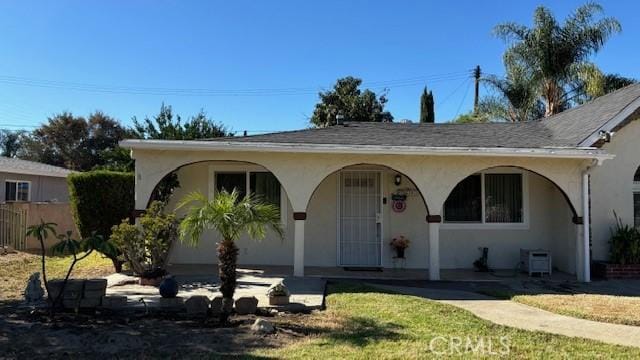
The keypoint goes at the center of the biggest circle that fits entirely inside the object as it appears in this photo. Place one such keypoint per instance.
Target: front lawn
(607, 308)
(361, 322)
(15, 270)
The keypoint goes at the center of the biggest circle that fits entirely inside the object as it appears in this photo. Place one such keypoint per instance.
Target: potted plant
(278, 294)
(399, 244)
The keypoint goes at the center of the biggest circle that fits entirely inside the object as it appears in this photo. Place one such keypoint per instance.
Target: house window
(636, 198)
(487, 198)
(229, 181)
(465, 202)
(15, 190)
(263, 185)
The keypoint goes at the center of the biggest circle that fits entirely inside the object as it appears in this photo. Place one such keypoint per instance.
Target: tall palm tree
(231, 217)
(557, 54)
(516, 99)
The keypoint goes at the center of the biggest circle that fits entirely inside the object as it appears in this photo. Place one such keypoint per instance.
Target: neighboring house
(505, 186)
(29, 181)
(30, 192)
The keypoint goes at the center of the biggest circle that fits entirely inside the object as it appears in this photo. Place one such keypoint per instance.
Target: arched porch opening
(355, 211)
(211, 176)
(507, 209)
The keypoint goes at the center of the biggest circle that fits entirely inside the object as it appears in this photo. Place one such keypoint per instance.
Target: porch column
(579, 222)
(583, 248)
(298, 243)
(434, 246)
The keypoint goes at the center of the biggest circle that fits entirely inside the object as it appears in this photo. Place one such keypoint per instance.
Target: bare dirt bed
(24, 334)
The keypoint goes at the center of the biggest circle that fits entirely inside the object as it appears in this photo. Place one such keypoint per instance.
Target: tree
(427, 114)
(166, 126)
(231, 217)
(470, 118)
(516, 98)
(558, 54)
(347, 100)
(73, 142)
(11, 142)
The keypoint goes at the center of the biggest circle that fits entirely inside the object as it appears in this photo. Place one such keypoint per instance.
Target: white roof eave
(195, 145)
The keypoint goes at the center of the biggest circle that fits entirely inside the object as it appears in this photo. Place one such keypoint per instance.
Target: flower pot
(169, 287)
(279, 300)
(400, 253)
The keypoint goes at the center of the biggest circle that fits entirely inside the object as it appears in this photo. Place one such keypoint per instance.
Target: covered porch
(328, 236)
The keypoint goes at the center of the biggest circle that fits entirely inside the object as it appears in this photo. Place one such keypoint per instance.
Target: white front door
(360, 220)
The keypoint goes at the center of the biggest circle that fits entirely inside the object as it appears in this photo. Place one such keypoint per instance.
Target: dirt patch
(17, 257)
(24, 334)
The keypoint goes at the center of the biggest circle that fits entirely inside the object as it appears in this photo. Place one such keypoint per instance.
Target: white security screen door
(360, 218)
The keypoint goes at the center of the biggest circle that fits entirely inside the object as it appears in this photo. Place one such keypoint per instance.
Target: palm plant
(516, 99)
(41, 232)
(558, 54)
(231, 216)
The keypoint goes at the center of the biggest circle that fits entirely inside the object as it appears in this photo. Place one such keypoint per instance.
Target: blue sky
(88, 55)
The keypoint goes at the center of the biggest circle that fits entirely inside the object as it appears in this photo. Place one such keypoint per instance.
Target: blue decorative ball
(169, 287)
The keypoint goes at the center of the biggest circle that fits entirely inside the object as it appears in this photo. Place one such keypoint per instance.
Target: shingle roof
(567, 129)
(18, 166)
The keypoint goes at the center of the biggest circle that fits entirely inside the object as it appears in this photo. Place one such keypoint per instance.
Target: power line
(462, 102)
(132, 90)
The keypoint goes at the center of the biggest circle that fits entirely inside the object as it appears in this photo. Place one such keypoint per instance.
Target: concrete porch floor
(463, 275)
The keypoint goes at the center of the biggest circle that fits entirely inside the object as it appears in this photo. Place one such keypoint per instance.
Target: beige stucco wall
(549, 227)
(611, 187)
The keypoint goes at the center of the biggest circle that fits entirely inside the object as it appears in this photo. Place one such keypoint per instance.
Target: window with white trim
(16, 190)
(487, 198)
(636, 198)
(261, 184)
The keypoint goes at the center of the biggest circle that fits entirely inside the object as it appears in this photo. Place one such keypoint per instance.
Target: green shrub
(99, 200)
(146, 247)
(625, 244)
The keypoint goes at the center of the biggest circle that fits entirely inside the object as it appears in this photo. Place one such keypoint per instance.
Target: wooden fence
(13, 227)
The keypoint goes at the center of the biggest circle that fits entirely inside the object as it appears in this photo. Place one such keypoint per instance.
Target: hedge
(101, 199)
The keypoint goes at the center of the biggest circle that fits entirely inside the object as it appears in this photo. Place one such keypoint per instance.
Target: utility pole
(476, 75)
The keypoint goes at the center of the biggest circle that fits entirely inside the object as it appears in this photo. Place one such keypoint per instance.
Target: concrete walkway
(512, 314)
(306, 293)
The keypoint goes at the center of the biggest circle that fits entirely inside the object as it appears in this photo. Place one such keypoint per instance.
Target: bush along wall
(99, 200)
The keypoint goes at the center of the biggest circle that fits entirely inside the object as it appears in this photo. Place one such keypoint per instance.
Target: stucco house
(345, 191)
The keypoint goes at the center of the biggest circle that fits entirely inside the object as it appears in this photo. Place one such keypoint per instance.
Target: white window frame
(482, 225)
(247, 170)
(18, 182)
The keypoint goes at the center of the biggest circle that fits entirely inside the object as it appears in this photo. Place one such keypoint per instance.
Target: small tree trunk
(117, 264)
(227, 259)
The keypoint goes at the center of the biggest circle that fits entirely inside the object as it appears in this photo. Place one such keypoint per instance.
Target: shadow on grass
(361, 331)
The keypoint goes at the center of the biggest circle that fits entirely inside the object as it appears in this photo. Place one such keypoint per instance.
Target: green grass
(361, 322)
(15, 270)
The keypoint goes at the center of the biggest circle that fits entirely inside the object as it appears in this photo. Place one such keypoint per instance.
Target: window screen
(265, 186)
(503, 198)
